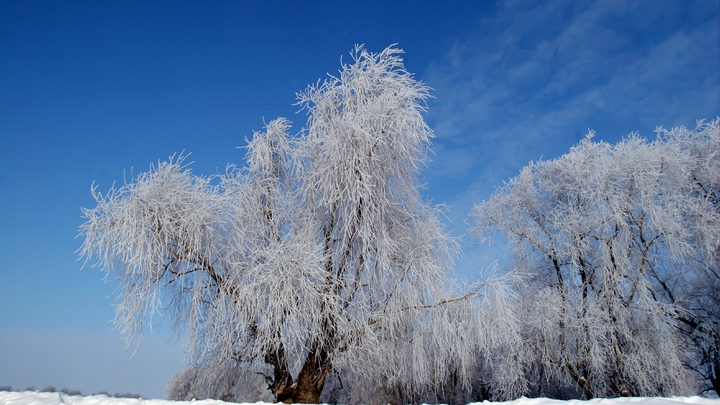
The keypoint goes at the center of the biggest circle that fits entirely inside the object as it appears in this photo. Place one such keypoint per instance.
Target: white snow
(56, 398)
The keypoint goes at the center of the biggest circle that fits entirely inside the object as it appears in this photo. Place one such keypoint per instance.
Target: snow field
(57, 398)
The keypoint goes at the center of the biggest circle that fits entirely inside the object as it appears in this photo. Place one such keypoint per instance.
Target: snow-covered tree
(319, 255)
(609, 240)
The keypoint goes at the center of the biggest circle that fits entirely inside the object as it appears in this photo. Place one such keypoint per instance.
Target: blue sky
(92, 90)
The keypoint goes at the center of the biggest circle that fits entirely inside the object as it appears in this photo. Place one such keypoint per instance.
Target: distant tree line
(318, 273)
(67, 391)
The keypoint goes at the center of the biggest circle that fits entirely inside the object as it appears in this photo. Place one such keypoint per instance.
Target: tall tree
(319, 255)
(602, 237)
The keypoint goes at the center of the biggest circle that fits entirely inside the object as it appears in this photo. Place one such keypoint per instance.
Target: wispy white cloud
(538, 74)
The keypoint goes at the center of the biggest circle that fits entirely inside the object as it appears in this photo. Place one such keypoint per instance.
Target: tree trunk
(311, 380)
(582, 380)
(282, 383)
(283, 387)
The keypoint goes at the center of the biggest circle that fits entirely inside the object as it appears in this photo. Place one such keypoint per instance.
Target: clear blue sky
(89, 90)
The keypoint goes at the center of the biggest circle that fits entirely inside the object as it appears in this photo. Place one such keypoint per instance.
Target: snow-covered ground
(55, 398)
(58, 398)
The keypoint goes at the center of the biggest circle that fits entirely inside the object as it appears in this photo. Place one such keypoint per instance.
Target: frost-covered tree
(319, 255)
(610, 241)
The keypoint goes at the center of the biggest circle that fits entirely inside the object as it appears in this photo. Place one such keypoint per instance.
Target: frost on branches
(617, 247)
(318, 257)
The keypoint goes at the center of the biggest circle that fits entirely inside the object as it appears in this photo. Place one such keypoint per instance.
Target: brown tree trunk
(283, 386)
(311, 380)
